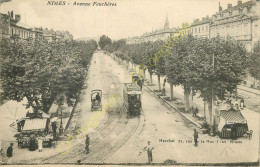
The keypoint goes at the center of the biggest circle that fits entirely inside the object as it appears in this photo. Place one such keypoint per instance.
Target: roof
(232, 116)
(35, 124)
(132, 87)
(23, 25)
(239, 6)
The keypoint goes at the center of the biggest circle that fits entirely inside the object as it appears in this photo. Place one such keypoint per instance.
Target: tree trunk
(151, 78)
(211, 119)
(144, 74)
(186, 98)
(171, 87)
(159, 81)
(205, 109)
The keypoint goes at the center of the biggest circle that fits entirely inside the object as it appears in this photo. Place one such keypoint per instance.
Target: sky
(127, 19)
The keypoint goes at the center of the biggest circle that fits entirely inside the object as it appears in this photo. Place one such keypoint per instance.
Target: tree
(103, 41)
(254, 61)
(160, 61)
(40, 71)
(221, 67)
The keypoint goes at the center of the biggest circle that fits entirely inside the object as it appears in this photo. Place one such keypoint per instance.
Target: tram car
(132, 98)
(137, 79)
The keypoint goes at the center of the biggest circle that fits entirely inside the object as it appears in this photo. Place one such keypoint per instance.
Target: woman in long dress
(40, 144)
(32, 145)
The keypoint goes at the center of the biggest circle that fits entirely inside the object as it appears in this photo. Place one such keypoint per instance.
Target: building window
(195, 30)
(240, 10)
(202, 29)
(230, 13)
(12, 31)
(248, 9)
(256, 30)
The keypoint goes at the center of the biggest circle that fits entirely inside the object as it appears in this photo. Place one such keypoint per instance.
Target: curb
(175, 108)
(247, 90)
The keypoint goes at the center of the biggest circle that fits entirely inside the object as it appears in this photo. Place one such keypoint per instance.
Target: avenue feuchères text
(76, 3)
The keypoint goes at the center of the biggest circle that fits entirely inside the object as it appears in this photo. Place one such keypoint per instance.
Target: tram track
(104, 130)
(95, 141)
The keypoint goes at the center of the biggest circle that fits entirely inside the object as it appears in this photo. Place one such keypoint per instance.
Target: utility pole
(212, 129)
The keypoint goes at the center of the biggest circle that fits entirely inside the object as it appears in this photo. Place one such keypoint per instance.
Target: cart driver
(98, 97)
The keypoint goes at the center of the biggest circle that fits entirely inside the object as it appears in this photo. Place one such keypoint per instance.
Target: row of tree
(43, 72)
(210, 67)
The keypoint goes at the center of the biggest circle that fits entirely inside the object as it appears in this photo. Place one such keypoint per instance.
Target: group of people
(236, 103)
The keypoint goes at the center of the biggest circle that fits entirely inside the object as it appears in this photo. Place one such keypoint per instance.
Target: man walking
(149, 149)
(196, 111)
(87, 143)
(54, 128)
(9, 151)
(196, 136)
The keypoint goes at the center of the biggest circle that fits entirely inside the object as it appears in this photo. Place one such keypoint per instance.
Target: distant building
(18, 29)
(37, 33)
(200, 28)
(11, 27)
(240, 22)
(4, 26)
(159, 34)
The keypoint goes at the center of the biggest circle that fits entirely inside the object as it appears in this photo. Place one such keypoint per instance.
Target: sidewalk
(179, 107)
(250, 90)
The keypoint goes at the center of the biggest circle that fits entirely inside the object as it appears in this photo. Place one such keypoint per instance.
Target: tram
(132, 98)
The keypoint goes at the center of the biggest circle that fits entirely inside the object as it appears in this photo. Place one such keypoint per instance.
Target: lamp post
(212, 127)
(61, 129)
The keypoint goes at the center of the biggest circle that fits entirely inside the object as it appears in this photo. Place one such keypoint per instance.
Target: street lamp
(61, 129)
(212, 127)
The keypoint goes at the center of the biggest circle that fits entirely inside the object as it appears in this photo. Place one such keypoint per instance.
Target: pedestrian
(87, 143)
(236, 104)
(149, 149)
(242, 103)
(40, 144)
(196, 111)
(196, 136)
(32, 143)
(54, 128)
(9, 151)
(2, 154)
(233, 132)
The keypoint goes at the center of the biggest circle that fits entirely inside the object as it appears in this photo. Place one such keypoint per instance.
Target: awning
(232, 116)
(35, 124)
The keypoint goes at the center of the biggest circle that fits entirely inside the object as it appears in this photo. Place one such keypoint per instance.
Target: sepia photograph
(130, 82)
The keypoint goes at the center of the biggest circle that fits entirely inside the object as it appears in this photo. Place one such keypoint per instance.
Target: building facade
(11, 27)
(4, 26)
(240, 22)
(200, 28)
(159, 34)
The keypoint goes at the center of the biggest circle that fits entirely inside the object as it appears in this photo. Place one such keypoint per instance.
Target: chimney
(229, 5)
(17, 17)
(219, 7)
(239, 2)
